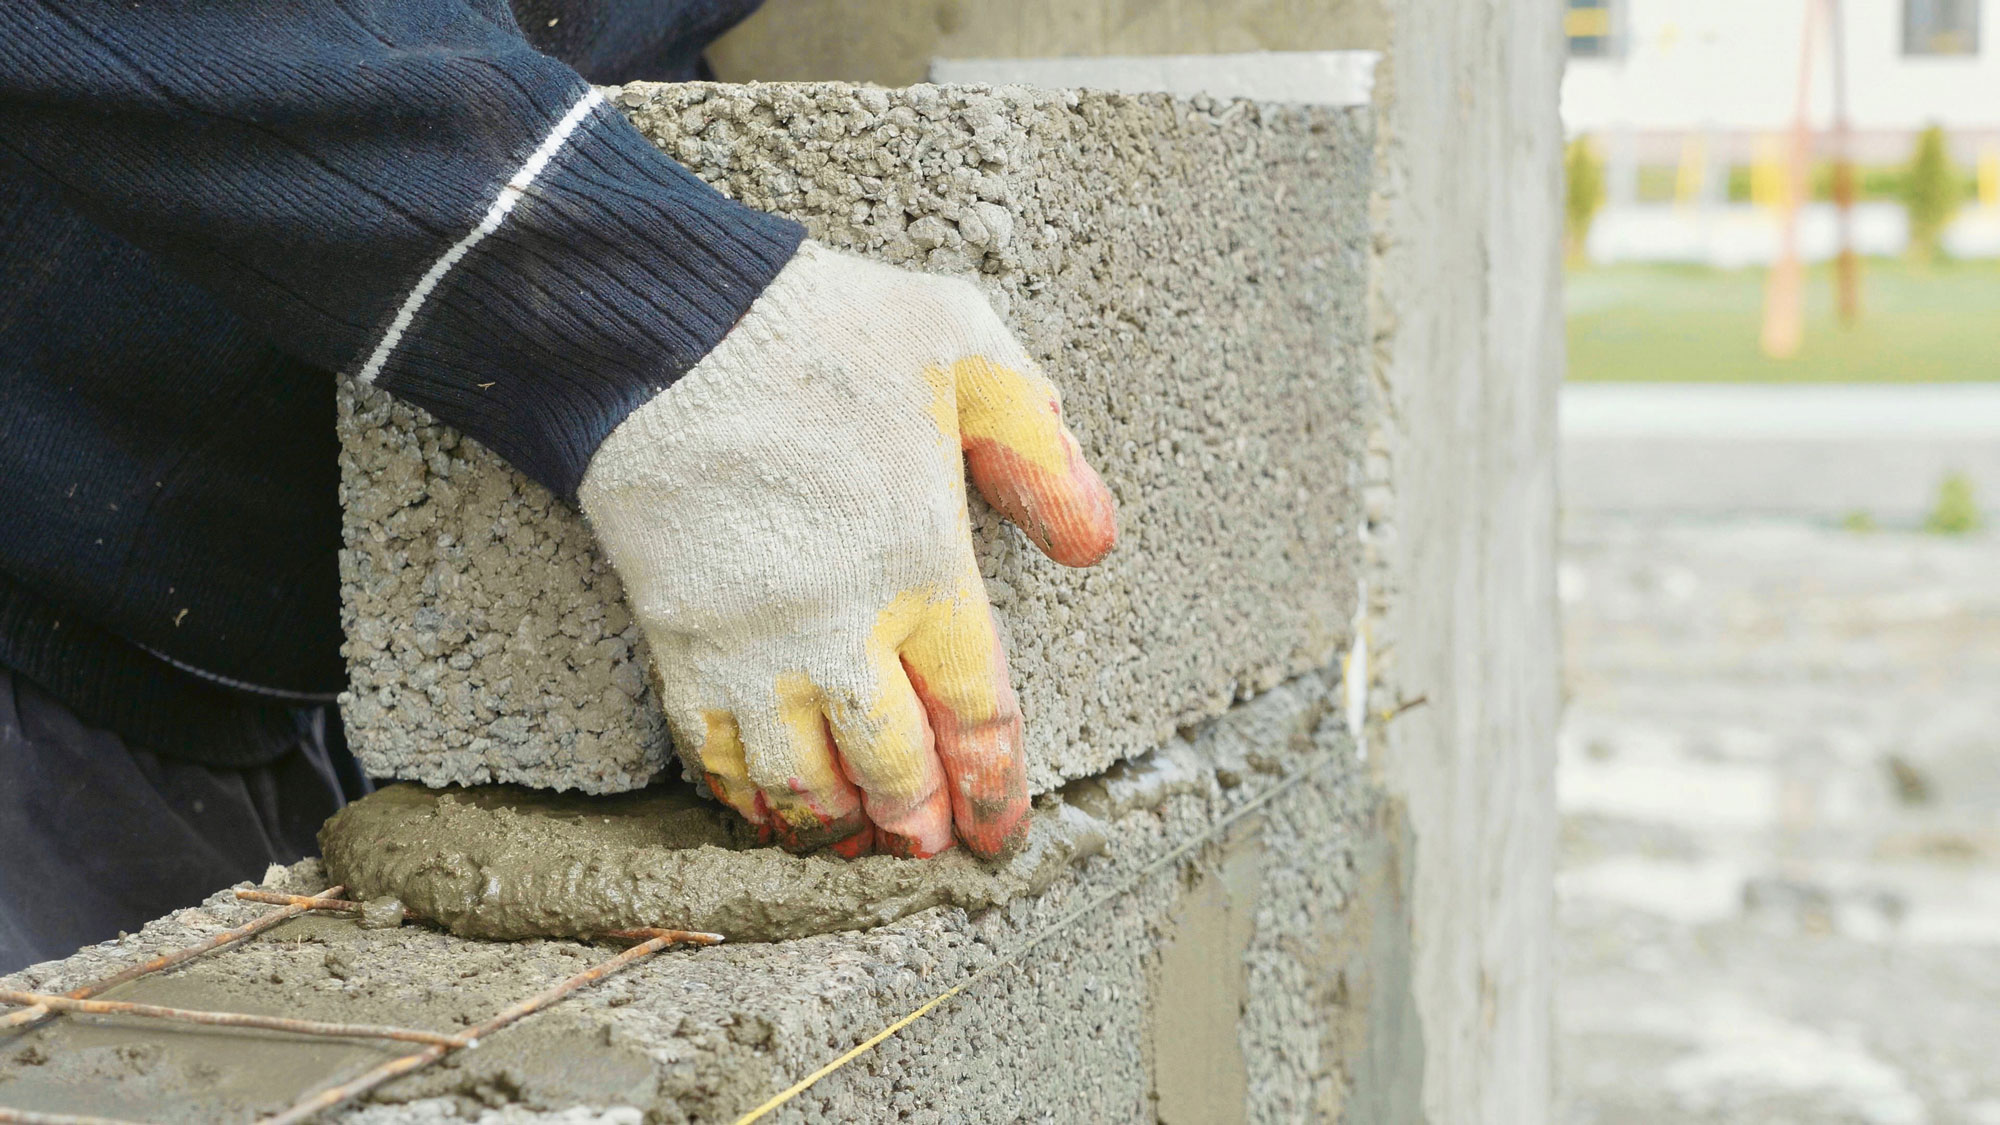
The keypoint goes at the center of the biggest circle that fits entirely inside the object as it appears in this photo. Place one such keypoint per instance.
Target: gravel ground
(1779, 884)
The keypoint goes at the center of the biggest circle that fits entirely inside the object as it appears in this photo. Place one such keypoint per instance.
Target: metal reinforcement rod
(655, 940)
(39, 1012)
(232, 1019)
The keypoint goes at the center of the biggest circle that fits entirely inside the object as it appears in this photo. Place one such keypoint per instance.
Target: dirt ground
(1779, 883)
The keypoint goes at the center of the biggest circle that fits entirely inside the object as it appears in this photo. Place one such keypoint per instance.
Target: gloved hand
(789, 521)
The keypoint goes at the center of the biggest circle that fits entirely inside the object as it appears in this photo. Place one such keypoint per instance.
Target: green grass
(1658, 323)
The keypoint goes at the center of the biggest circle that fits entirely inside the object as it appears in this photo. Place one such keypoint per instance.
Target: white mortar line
(1334, 78)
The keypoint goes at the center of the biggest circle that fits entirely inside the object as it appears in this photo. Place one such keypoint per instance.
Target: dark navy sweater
(207, 207)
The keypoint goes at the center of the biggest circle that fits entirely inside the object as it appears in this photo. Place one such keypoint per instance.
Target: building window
(1592, 27)
(1940, 27)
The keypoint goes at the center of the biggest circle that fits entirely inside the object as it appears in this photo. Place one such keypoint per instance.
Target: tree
(1930, 192)
(1584, 173)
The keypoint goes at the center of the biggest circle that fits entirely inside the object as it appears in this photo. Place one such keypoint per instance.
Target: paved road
(1780, 787)
(1691, 449)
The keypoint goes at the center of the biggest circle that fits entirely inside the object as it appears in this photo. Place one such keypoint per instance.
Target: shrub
(1930, 192)
(1957, 510)
(1583, 174)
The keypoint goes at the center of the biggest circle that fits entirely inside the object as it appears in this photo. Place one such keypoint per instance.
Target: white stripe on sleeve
(510, 194)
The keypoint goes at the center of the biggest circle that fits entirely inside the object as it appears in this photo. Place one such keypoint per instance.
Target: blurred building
(1690, 103)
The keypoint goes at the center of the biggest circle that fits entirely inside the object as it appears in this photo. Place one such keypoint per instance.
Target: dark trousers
(97, 836)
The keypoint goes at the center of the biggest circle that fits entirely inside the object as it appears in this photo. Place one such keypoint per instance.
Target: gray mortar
(1192, 272)
(1065, 1033)
(503, 861)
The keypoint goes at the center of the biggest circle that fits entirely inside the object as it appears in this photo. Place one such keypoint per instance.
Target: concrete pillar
(1469, 356)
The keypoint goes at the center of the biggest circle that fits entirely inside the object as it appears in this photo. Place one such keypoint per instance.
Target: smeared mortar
(506, 862)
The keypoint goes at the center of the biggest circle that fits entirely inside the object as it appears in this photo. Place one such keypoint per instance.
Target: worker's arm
(405, 191)
(408, 193)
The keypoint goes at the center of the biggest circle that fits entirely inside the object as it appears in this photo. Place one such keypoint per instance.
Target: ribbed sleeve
(316, 164)
(616, 272)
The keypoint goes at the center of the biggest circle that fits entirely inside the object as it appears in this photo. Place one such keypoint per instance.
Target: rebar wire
(30, 1016)
(396, 1068)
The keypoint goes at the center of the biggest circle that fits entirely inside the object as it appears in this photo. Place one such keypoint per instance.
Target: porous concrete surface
(1246, 897)
(1191, 272)
(1780, 866)
(486, 638)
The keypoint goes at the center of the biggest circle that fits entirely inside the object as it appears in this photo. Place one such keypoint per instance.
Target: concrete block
(1191, 271)
(1239, 952)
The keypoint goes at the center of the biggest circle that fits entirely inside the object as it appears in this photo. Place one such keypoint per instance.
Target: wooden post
(1784, 289)
(1847, 266)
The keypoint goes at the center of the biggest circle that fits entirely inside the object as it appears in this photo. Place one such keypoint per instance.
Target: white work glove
(789, 522)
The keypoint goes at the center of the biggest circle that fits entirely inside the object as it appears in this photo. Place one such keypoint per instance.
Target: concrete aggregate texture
(1280, 881)
(1191, 272)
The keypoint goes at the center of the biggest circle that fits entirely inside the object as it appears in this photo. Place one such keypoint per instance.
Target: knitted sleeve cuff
(601, 272)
